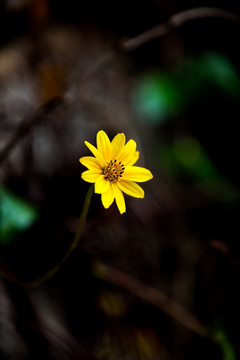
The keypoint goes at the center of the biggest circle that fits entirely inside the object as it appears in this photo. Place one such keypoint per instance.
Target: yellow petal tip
(112, 169)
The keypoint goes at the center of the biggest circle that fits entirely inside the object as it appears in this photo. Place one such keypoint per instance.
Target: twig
(176, 21)
(39, 116)
(109, 58)
(153, 296)
(221, 247)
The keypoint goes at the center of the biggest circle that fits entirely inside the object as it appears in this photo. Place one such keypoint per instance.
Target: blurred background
(65, 73)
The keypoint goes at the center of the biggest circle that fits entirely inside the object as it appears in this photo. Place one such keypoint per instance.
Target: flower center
(113, 170)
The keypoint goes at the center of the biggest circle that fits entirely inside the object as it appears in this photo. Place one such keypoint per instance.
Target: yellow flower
(112, 170)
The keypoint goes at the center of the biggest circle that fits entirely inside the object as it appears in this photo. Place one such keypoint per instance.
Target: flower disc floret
(112, 169)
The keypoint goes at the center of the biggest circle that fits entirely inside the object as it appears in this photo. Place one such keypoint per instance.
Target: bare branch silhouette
(111, 57)
(153, 296)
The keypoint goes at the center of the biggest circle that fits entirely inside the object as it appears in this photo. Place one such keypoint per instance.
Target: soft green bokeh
(185, 156)
(16, 215)
(188, 153)
(159, 94)
(226, 346)
(157, 97)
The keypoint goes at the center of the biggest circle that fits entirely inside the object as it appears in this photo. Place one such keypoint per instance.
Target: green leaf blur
(158, 96)
(186, 157)
(16, 215)
(226, 346)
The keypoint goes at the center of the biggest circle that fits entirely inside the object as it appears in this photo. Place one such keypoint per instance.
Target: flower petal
(101, 185)
(128, 152)
(91, 175)
(134, 159)
(131, 188)
(104, 145)
(136, 173)
(95, 152)
(120, 201)
(107, 197)
(90, 162)
(118, 143)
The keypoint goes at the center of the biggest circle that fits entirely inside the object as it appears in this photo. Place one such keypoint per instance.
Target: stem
(12, 278)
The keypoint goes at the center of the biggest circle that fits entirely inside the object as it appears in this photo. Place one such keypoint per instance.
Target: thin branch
(176, 21)
(222, 248)
(108, 59)
(152, 296)
(173, 22)
(39, 116)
